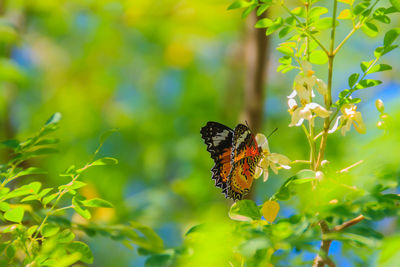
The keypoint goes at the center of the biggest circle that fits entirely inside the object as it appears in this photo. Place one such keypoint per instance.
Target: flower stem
(306, 31)
(328, 96)
(355, 28)
(325, 244)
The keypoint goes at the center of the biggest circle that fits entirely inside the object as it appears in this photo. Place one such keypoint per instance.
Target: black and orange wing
(218, 139)
(245, 156)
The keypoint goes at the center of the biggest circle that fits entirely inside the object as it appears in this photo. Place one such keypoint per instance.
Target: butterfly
(235, 153)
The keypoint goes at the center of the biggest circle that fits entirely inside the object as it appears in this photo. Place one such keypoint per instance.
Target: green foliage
(337, 200)
(31, 214)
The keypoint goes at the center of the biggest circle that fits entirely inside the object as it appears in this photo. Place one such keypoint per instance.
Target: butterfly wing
(245, 157)
(218, 139)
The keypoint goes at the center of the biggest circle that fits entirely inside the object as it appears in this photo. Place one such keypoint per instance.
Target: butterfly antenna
(272, 132)
(246, 123)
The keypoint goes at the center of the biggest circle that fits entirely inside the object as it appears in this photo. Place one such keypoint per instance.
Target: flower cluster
(350, 116)
(304, 85)
(269, 160)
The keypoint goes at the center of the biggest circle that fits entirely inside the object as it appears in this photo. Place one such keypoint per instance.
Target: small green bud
(379, 105)
(384, 116)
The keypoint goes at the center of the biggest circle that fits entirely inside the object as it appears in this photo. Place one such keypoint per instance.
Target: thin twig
(355, 28)
(347, 224)
(351, 166)
(306, 31)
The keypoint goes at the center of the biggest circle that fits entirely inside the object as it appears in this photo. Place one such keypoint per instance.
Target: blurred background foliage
(158, 71)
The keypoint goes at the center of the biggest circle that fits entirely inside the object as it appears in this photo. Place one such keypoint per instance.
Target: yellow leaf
(270, 209)
(345, 14)
(349, 2)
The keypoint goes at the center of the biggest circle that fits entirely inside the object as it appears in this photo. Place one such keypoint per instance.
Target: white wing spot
(219, 137)
(241, 138)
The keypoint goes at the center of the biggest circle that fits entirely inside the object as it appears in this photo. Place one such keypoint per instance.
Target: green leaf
(30, 198)
(44, 192)
(354, 100)
(159, 260)
(48, 199)
(106, 135)
(28, 189)
(8, 34)
(15, 214)
(344, 93)
(151, 241)
(4, 206)
(97, 202)
(380, 15)
(299, 11)
(105, 161)
(48, 141)
(81, 211)
(365, 65)
(277, 24)
(360, 8)
(285, 31)
(318, 57)
(11, 250)
(31, 230)
(317, 11)
(244, 210)
(325, 23)
(370, 29)
(71, 171)
(83, 249)
(248, 10)
(353, 79)
(367, 83)
(264, 23)
(285, 50)
(10, 143)
(54, 119)
(286, 60)
(262, 9)
(31, 170)
(77, 184)
(391, 36)
(50, 230)
(11, 72)
(382, 50)
(379, 68)
(396, 4)
(66, 236)
(287, 189)
(389, 254)
(239, 4)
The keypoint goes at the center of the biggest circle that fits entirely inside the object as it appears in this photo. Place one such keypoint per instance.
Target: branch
(347, 224)
(320, 261)
(322, 258)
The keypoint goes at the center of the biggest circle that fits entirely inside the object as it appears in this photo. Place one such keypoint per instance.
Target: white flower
(306, 112)
(303, 83)
(321, 87)
(269, 160)
(349, 116)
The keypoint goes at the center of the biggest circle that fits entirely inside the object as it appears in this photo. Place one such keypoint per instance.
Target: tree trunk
(256, 59)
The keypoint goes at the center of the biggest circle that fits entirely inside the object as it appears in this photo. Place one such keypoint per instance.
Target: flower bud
(324, 163)
(319, 175)
(379, 105)
(384, 116)
(380, 125)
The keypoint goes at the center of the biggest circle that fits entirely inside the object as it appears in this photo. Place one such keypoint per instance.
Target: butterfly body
(236, 155)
